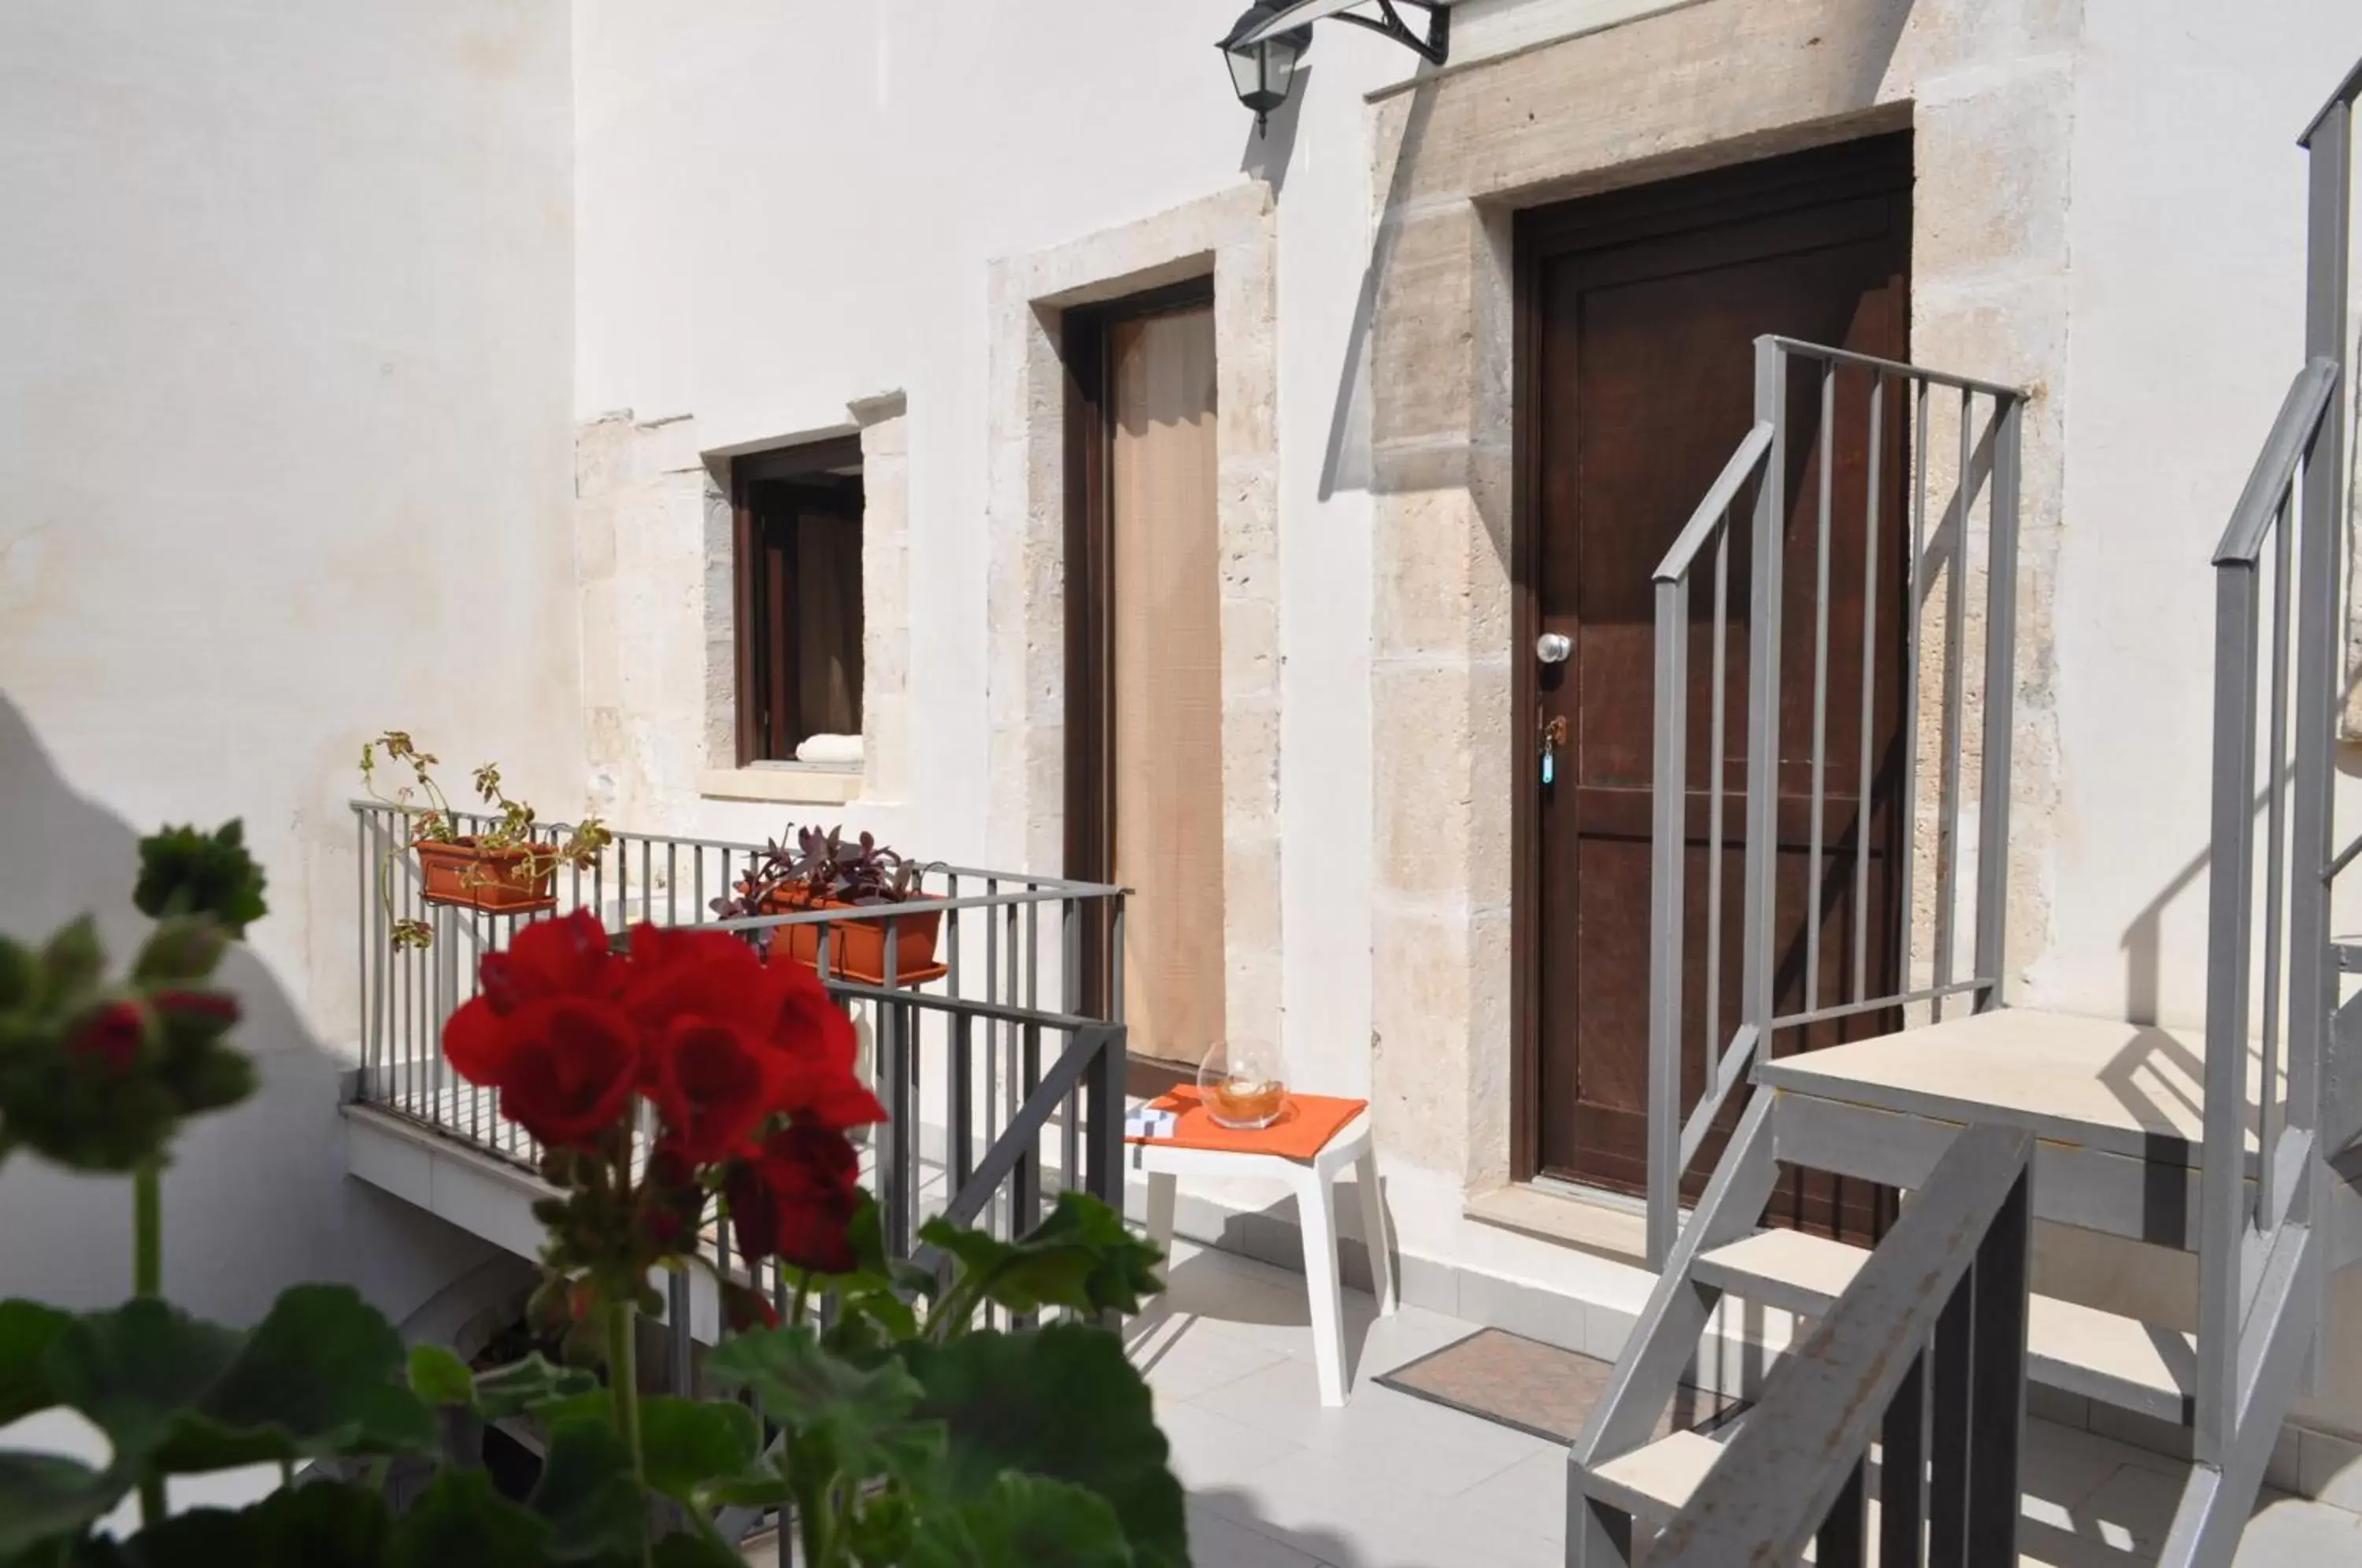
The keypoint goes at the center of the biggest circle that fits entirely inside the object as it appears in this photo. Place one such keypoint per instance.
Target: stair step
(2080, 1350)
(1652, 1482)
(2133, 1089)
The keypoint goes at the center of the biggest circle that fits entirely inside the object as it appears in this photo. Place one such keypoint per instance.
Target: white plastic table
(1313, 1180)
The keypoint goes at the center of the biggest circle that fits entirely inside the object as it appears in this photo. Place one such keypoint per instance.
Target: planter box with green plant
(826, 872)
(507, 868)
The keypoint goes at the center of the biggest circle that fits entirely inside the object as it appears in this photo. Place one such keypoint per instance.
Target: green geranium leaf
(322, 1525)
(876, 1271)
(181, 950)
(136, 1370)
(315, 1378)
(685, 1443)
(529, 1386)
(19, 975)
(1061, 1403)
(439, 1377)
(1022, 1521)
(72, 965)
(689, 1549)
(863, 1416)
(43, 1497)
(320, 1377)
(185, 872)
(1080, 1257)
(28, 1329)
(586, 1493)
(460, 1522)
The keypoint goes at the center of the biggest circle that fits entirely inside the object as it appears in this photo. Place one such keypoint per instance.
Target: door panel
(1642, 308)
(1165, 629)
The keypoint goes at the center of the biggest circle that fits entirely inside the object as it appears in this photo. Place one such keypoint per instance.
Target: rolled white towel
(838, 750)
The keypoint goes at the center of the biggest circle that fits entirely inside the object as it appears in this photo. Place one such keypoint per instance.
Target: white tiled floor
(1275, 1480)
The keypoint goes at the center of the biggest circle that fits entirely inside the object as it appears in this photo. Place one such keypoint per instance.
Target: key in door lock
(1553, 737)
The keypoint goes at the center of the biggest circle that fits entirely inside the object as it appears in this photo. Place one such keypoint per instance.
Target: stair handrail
(1988, 463)
(1943, 1296)
(2284, 678)
(1708, 525)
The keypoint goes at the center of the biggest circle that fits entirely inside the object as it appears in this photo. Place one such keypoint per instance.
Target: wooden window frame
(761, 622)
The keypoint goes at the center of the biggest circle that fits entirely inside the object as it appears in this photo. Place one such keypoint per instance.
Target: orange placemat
(1306, 1124)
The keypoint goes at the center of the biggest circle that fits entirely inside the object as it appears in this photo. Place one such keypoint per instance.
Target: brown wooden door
(1639, 313)
(1145, 673)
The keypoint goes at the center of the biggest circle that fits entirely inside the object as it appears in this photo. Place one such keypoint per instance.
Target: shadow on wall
(257, 1196)
(1346, 459)
(1270, 150)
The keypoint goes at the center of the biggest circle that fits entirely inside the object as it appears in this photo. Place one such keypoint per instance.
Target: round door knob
(1554, 647)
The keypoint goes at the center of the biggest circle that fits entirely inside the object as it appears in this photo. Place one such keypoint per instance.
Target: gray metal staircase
(2237, 1145)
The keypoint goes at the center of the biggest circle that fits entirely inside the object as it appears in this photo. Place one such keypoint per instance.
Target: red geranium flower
(564, 957)
(713, 1085)
(566, 1068)
(212, 1007)
(547, 959)
(795, 1201)
(790, 1045)
(112, 1036)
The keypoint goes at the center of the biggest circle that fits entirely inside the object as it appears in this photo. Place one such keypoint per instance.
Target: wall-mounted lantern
(1265, 47)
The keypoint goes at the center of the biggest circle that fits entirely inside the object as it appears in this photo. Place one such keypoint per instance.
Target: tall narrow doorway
(1144, 657)
(1637, 312)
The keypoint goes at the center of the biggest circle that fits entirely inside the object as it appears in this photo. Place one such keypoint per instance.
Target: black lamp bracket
(1389, 22)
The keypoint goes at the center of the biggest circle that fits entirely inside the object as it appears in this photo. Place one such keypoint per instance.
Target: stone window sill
(1597, 1225)
(796, 784)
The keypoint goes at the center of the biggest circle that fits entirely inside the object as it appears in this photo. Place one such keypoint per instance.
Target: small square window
(798, 572)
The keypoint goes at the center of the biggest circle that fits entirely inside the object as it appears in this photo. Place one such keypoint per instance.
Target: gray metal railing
(1900, 407)
(1923, 1357)
(1001, 1066)
(2271, 981)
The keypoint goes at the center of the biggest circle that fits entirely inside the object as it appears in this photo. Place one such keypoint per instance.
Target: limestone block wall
(1986, 90)
(653, 566)
(1232, 235)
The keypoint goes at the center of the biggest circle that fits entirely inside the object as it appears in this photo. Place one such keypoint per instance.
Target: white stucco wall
(763, 241)
(285, 458)
(2186, 232)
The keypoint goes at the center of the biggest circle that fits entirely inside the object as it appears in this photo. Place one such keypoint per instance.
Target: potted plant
(825, 871)
(505, 868)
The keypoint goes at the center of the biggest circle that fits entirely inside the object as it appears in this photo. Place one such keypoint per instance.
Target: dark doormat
(1539, 1389)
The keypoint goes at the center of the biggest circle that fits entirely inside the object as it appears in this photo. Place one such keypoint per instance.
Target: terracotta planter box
(494, 880)
(856, 948)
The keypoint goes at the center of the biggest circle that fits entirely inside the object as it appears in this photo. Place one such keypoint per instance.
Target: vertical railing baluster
(1842, 1540)
(1717, 764)
(1669, 799)
(1997, 1402)
(1947, 1447)
(1760, 891)
(1948, 790)
(1870, 652)
(1816, 877)
(2275, 791)
(1999, 704)
(1901, 1471)
(367, 977)
(1026, 1182)
(2222, 1202)
(1913, 632)
(2328, 335)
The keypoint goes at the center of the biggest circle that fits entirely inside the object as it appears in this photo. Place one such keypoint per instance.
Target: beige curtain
(1167, 680)
(828, 622)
